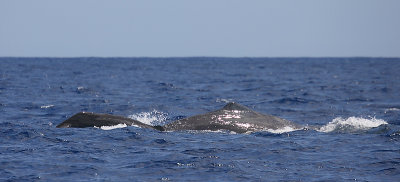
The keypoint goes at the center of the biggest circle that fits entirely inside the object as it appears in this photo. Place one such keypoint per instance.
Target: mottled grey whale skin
(232, 117)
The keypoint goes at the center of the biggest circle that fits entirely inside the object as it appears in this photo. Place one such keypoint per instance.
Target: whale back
(88, 119)
(232, 117)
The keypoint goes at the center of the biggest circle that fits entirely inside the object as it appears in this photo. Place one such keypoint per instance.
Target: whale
(90, 119)
(232, 117)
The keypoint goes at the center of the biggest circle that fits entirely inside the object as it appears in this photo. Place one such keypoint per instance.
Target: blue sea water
(356, 101)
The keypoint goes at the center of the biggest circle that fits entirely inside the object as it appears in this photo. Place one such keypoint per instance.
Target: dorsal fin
(235, 106)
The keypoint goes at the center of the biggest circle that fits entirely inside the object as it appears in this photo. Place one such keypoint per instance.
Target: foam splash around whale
(339, 124)
(351, 124)
(152, 118)
(112, 127)
(285, 129)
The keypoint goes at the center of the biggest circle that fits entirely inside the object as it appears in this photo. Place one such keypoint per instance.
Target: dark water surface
(355, 100)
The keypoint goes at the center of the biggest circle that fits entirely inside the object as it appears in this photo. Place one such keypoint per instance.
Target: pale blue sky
(232, 28)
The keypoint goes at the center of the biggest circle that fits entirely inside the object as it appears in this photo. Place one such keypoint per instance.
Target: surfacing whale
(232, 117)
(89, 119)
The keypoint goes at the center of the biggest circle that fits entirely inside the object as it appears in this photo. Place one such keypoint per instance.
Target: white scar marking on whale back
(235, 114)
(244, 125)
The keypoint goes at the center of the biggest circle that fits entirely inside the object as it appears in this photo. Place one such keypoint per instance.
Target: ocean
(354, 101)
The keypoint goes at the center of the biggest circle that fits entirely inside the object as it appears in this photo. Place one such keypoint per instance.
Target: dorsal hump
(235, 106)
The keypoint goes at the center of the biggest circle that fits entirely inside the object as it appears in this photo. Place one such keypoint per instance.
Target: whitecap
(46, 106)
(351, 123)
(391, 109)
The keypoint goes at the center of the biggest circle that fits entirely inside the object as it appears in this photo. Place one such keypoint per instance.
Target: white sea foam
(151, 118)
(285, 129)
(112, 127)
(391, 109)
(351, 123)
(46, 106)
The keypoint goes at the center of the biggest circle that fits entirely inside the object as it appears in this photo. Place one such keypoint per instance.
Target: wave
(351, 124)
(393, 109)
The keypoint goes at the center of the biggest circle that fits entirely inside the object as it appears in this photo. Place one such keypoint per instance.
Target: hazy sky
(234, 28)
